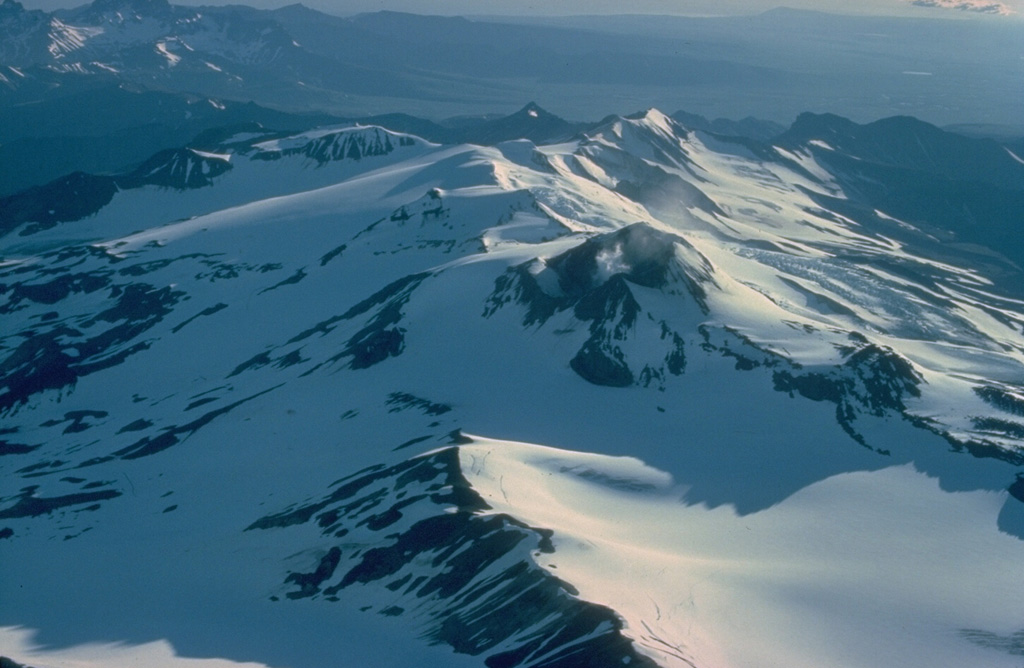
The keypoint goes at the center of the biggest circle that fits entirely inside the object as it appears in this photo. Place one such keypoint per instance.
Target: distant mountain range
(772, 66)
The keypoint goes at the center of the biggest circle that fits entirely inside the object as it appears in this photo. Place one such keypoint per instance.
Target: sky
(952, 8)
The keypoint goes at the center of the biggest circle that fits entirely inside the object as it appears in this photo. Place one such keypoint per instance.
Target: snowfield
(802, 583)
(649, 397)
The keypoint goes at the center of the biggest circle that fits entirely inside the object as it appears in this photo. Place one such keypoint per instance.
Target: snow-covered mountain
(650, 396)
(234, 52)
(101, 36)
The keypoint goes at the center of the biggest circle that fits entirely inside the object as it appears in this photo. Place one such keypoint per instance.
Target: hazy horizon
(1008, 9)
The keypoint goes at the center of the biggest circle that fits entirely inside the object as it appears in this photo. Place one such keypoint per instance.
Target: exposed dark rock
(417, 470)
(400, 401)
(4, 661)
(216, 308)
(413, 441)
(601, 366)
(378, 340)
(29, 505)
(373, 345)
(143, 268)
(180, 168)
(333, 253)
(77, 420)
(353, 144)
(1002, 398)
(255, 362)
(469, 576)
(56, 358)
(594, 279)
(39, 363)
(637, 252)
(309, 583)
(200, 402)
(220, 271)
(1016, 490)
(813, 386)
(291, 359)
(676, 360)
(137, 425)
(54, 291)
(8, 448)
(291, 280)
(1001, 427)
(151, 445)
(872, 380)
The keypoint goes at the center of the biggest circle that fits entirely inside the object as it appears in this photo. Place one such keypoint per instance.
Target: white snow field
(807, 582)
(637, 398)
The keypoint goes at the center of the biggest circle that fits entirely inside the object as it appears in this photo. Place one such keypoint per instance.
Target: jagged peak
(652, 116)
(181, 169)
(335, 132)
(654, 120)
(647, 122)
(639, 253)
(648, 136)
(534, 110)
(333, 143)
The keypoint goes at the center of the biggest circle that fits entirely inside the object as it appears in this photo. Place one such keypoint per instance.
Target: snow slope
(278, 412)
(858, 555)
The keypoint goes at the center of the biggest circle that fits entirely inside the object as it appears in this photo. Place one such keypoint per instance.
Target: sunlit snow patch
(18, 643)
(172, 59)
(864, 555)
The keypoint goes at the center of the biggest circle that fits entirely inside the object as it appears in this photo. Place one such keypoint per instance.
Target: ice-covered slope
(271, 402)
(172, 184)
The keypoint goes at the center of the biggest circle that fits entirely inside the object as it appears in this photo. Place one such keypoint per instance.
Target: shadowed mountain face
(902, 142)
(38, 138)
(633, 393)
(966, 188)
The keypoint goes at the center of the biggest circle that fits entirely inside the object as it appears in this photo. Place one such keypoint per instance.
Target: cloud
(967, 6)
